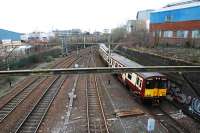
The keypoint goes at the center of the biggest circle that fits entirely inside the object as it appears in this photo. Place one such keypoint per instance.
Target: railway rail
(19, 97)
(33, 117)
(30, 84)
(96, 117)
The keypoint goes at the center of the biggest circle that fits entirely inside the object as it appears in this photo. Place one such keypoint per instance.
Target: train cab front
(155, 89)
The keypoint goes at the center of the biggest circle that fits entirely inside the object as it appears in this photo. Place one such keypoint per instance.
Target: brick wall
(187, 25)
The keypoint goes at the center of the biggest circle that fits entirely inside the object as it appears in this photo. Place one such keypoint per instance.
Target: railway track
(19, 97)
(96, 117)
(32, 118)
(29, 85)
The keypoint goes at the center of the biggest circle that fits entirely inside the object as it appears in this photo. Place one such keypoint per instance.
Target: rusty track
(19, 97)
(96, 118)
(35, 116)
(43, 103)
(29, 86)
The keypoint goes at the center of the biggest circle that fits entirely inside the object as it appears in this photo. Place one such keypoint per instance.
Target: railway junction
(78, 93)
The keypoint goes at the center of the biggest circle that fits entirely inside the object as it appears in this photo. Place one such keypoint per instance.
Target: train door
(124, 77)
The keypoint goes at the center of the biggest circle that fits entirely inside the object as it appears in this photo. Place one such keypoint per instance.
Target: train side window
(140, 83)
(129, 76)
(137, 81)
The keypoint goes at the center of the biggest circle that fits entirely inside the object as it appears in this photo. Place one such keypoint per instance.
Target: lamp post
(64, 44)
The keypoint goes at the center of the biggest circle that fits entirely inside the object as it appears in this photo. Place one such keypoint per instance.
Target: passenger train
(149, 86)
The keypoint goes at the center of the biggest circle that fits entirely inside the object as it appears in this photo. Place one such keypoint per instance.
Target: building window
(182, 34)
(154, 33)
(157, 33)
(168, 34)
(168, 18)
(196, 34)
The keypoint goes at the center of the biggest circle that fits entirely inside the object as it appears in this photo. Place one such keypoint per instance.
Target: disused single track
(96, 117)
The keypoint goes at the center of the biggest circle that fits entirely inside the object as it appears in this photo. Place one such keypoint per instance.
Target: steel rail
(100, 101)
(87, 108)
(101, 105)
(87, 102)
(19, 97)
(101, 70)
(10, 106)
(20, 127)
(41, 100)
(48, 107)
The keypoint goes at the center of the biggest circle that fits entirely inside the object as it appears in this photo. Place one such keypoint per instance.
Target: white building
(145, 16)
(36, 36)
(135, 25)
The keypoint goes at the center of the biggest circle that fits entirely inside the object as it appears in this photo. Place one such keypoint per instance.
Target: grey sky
(45, 15)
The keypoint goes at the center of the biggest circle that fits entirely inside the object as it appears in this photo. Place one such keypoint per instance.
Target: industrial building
(177, 24)
(144, 15)
(35, 37)
(8, 36)
(135, 25)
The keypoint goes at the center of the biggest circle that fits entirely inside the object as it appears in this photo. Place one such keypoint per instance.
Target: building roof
(177, 7)
(129, 63)
(9, 35)
(144, 14)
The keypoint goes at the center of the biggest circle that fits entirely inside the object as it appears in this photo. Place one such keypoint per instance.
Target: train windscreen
(151, 84)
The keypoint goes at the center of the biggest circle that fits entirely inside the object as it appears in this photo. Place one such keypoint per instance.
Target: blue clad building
(177, 24)
(9, 35)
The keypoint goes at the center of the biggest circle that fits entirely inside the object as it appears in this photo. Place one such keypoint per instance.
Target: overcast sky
(45, 15)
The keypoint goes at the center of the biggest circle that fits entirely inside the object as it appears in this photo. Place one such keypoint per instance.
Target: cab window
(150, 84)
(162, 84)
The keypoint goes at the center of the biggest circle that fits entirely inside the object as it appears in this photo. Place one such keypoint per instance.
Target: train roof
(129, 63)
(102, 45)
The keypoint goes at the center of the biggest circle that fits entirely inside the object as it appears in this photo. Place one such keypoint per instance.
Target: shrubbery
(45, 56)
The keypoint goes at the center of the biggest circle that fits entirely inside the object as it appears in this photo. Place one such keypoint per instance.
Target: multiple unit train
(149, 86)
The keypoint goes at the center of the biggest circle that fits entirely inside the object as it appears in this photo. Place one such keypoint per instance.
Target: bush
(45, 56)
(49, 58)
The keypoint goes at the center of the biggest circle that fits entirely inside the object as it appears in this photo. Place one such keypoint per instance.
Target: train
(149, 86)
